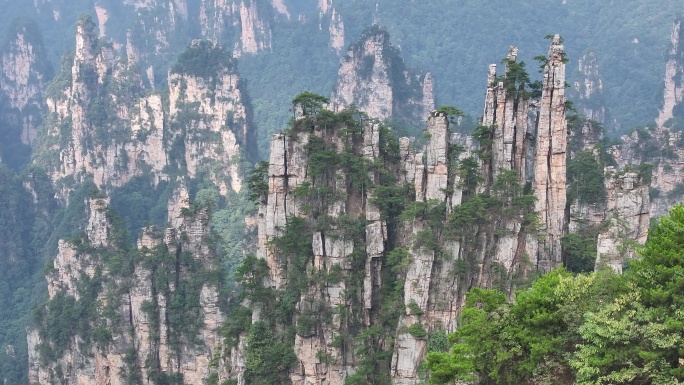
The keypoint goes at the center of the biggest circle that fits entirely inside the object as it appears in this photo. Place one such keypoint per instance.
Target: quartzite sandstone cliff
(140, 304)
(101, 123)
(374, 78)
(367, 243)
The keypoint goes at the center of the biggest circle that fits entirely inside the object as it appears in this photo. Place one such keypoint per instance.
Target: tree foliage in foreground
(597, 328)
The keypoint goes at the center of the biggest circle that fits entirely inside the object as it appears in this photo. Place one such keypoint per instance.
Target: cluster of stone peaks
(490, 229)
(366, 245)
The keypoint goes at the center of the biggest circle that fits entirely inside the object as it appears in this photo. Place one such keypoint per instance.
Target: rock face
(366, 244)
(627, 213)
(589, 89)
(550, 157)
(24, 72)
(674, 71)
(661, 144)
(330, 16)
(244, 19)
(508, 116)
(374, 78)
(138, 327)
(393, 269)
(614, 215)
(101, 125)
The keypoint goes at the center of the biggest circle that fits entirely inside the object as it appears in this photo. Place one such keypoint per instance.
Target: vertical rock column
(507, 115)
(674, 75)
(376, 228)
(550, 159)
(286, 171)
(431, 184)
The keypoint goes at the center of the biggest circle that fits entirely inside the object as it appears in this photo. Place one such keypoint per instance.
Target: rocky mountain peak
(101, 125)
(86, 40)
(24, 73)
(375, 79)
(550, 158)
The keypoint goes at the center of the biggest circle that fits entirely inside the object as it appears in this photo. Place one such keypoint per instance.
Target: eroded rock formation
(101, 124)
(628, 217)
(405, 275)
(244, 19)
(367, 243)
(138, 315)
(589, 89)
(550, 157)
(24, 73)
(374, 78)
(674, 71)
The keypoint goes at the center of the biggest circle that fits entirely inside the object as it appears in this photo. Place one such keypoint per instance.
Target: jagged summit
(366, 244)
(374, 77)
(102, 125)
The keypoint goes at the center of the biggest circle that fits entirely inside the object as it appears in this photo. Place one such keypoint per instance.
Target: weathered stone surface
(508, 117)
(437, 158)
(88, 364)
(550, 161)
(628, 218)
(589, 89)
(246, 19)
(24, 74)
(674, 70)
(208, 113)
(366, 79)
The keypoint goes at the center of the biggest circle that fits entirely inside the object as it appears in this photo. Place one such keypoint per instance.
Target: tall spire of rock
(505, 112)
(24, 72)
(674, 75)
(550, 159)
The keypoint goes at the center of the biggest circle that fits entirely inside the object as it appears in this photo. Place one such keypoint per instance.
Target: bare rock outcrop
(374, 78)
(25, 72)
(140, 305)
(550, 161)
(628, 216)
(100, 124)
(243, 18)
(674, 71)
(506, 112)
(588, 89)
